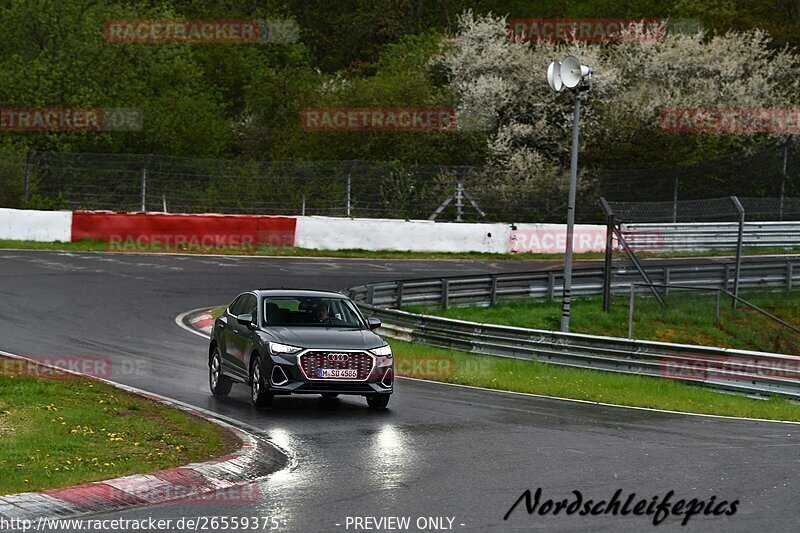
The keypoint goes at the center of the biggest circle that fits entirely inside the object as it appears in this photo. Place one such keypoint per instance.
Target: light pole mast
(572, 75)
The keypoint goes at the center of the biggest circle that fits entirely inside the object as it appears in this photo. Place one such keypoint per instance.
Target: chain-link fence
(186, 185)
(764, 179)
(769, 171)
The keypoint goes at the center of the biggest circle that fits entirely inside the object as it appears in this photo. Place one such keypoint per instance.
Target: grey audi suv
(281, 341)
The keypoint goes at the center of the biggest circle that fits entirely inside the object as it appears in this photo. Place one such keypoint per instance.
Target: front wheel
(219, 384)
(378, 401)
(259, 394)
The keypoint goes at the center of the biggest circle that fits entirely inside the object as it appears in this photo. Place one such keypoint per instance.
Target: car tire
(378, 401)
(219, 384)
(330, 395)
(259, 395)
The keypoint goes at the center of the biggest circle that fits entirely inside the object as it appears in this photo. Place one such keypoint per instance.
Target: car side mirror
(373, 323)
(246, 320)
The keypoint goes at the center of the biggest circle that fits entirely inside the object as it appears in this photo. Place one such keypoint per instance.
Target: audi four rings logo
(338, 357)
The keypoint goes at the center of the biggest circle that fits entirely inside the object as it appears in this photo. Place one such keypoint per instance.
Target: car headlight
(383, 351)
(276, 347)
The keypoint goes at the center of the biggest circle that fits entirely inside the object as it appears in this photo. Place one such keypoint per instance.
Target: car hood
(333, 338)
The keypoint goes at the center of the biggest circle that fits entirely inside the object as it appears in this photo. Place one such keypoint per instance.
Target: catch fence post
(27, 185)
(630, 311)
(739, 242)
(144, 182)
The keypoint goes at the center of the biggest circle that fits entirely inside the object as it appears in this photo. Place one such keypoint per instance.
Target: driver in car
(322, 315)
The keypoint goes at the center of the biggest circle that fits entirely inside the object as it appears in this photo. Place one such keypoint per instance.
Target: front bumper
(296, 374)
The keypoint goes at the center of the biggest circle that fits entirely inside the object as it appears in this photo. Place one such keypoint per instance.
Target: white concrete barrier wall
(323, 233)
(29, 225)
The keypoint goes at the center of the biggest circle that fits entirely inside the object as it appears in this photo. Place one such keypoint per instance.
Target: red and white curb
(228, 479)
(202, 321)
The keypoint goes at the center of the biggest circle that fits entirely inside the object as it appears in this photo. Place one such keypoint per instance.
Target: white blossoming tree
(529, 141)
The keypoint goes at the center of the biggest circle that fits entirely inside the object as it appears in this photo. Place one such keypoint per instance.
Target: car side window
(237, 305)
(250, 306)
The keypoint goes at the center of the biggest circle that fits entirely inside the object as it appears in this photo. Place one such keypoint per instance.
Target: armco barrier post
(493, 293)
(789, 275)
(445, 293)
(740, 209)
(399, 297)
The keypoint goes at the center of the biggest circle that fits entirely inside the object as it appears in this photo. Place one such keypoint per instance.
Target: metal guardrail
(740, 371)
(487, 289)
(687, 237)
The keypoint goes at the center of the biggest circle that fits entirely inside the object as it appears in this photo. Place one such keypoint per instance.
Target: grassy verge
(58, 430)
(289, 251)
(688, 319)
(416, 360)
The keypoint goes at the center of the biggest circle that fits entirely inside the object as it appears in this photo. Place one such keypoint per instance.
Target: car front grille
(312, 362)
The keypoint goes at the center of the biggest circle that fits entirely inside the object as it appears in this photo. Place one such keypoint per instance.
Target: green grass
(688, 319)
(59, 430)
(450, 366)
(289, 251)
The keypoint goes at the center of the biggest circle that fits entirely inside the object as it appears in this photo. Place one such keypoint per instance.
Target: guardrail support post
(370, 294)
(551, 286)
(666, 281)
(630, 311)
(493, 295)
(399, 301)
(789, 275)
(445, 293)
(718, 316)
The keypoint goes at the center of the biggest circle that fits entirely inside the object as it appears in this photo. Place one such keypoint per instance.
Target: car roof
(299, 292)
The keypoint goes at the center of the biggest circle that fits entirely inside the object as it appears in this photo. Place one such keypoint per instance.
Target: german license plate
(337, 373)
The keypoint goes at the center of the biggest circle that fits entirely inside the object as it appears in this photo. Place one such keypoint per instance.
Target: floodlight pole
(573, 186)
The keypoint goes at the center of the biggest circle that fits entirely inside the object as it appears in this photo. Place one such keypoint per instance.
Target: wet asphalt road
(439, 451)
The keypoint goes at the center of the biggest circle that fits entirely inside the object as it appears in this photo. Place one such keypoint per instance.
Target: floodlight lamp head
(573, 73)
(554, 76)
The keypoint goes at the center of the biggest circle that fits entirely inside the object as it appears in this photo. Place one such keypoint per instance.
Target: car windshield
(294, 311)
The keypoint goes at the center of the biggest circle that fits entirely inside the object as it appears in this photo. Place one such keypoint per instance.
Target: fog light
(278, 376)
(386, 381)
